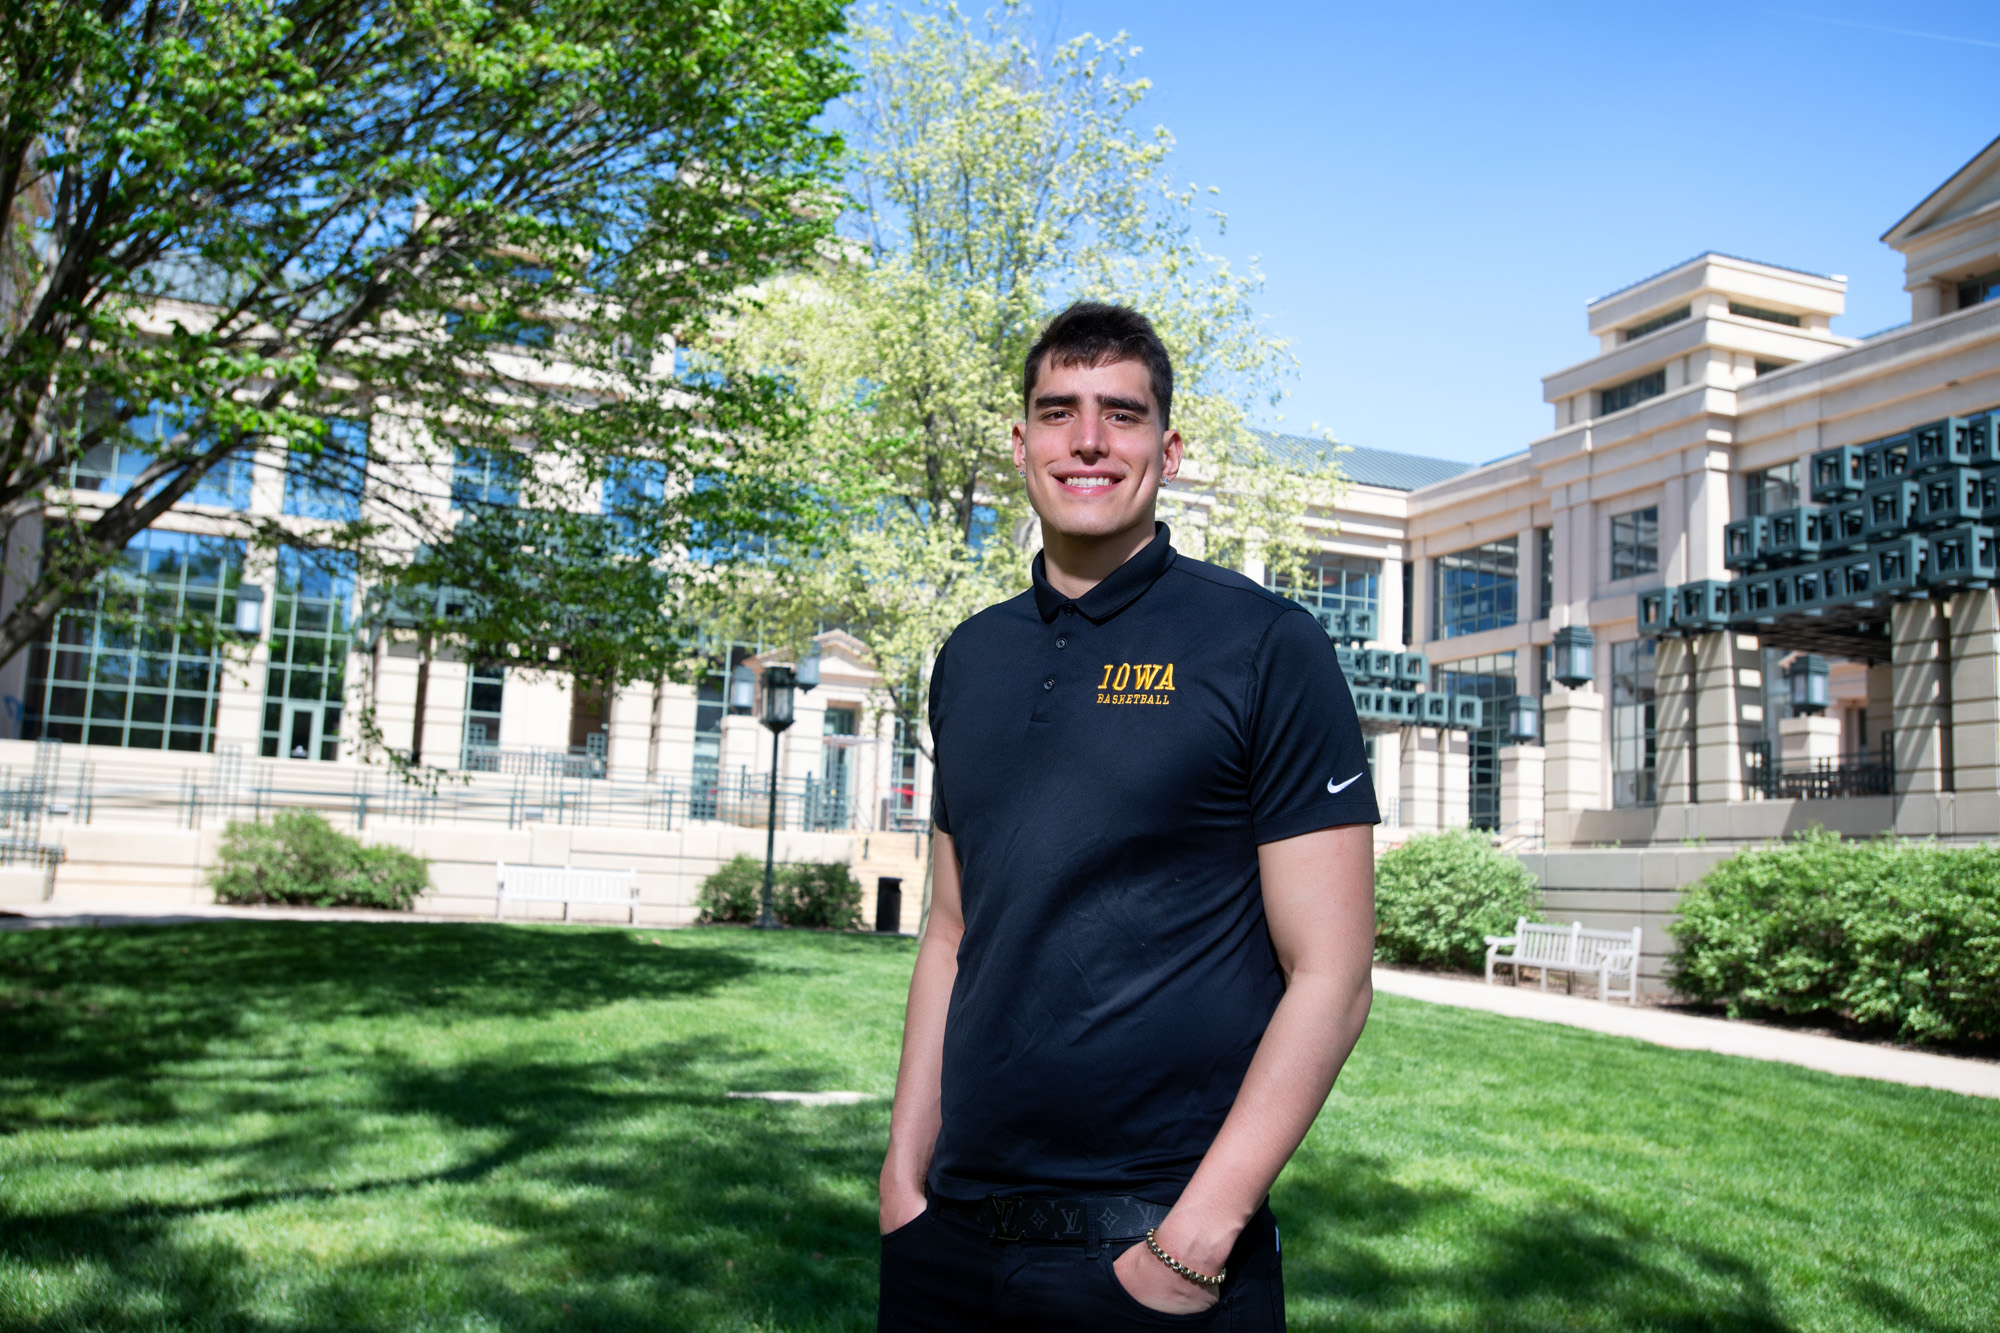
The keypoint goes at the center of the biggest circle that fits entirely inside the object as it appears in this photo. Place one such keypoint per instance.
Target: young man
(1152, 908)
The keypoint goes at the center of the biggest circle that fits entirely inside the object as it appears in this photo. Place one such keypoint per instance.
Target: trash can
(888, 905)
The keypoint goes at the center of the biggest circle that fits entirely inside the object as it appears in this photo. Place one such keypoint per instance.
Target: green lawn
(274, 1126)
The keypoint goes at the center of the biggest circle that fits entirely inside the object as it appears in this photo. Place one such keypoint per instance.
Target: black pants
(943, 1274)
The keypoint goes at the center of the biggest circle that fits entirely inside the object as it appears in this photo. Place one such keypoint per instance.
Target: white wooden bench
(566, 885)
(1572, 949)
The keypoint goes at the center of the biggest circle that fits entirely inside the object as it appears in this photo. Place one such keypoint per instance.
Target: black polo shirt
(1106, 768)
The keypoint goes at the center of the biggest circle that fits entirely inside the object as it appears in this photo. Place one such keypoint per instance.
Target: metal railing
(1853, 774)
(226, 788)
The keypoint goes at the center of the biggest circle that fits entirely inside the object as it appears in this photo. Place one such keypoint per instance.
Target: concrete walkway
(1688, 1032)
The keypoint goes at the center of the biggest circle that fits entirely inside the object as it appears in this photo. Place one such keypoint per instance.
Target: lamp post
(779, 681)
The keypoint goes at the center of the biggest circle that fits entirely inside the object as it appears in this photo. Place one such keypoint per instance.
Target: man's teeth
(1087, 481)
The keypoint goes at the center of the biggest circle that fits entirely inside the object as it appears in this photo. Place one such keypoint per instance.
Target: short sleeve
(1308, 762)
(940, 821)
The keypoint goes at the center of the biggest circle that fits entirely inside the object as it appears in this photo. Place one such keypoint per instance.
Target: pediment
(1970, 188)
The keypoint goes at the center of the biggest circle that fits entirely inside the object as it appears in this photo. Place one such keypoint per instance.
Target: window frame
(1490, 571)
(1632, 392)
(1632, 556)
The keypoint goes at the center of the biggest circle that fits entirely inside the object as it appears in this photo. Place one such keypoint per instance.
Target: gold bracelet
(1200, 1279)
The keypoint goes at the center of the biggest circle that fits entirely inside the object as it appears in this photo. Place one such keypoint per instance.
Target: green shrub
(1439, 895)
(1889, 934)
(822, 894)
(300, 859)
(805, 893)
(734, 893)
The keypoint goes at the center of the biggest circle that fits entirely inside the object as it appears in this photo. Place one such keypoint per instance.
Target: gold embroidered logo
(1136, 683)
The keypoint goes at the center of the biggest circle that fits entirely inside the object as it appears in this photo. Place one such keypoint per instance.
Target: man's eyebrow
(1136, 406)
(1055, 400)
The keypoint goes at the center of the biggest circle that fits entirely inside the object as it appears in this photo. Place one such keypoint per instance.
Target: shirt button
(1069, 610)
(1049, 684)
(1062, 643)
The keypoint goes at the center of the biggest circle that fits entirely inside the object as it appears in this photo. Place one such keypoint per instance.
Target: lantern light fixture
(1805, 680)
(249, 610)
(1571, 661)
(1524, 719)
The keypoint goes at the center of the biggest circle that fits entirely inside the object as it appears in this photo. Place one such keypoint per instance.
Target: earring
(1022, 473)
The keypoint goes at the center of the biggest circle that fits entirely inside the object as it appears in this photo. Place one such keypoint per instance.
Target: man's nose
(1090, 440)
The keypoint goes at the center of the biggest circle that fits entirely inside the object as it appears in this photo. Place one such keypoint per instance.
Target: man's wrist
(1201, 1242)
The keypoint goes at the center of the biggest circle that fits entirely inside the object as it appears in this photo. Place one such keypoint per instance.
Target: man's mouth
(1088, 483)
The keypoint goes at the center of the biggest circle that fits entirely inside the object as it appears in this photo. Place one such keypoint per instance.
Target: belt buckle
(998, 1215)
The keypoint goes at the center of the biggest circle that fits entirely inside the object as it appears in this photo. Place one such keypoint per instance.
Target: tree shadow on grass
(507, 1186)
(1386, 1255)
(100, 1012)
(624, 1193)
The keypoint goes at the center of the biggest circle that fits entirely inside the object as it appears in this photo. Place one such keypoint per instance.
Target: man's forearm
(1309, 1038)
(915, 1117)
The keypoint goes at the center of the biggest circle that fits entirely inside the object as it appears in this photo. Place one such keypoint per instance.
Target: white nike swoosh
(1333, 790)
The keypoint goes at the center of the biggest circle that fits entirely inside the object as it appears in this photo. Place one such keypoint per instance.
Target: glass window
(1476, 589)
(485, 690)
(1489, 677)
(1335, 583)
(903, 780)
(1631, 393)
(325, 480)
(1771, 491)
(1635, 543)
(1545, 572)
(305, 690)
(1409, 599)
(132, 662)
(1657, 323)
(1632, 723)
(513, 331)
(111, 467)
(484, 478)
(1768, 316)
(635, 490)
(1979, 290)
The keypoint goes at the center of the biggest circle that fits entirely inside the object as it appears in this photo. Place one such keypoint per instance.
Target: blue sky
(1433, 191)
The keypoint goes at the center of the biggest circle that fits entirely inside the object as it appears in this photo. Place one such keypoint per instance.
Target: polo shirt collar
(1118, 590)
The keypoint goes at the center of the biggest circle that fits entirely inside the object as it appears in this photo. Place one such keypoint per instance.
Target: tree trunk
(423, 697)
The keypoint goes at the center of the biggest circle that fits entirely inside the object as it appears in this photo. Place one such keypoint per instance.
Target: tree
(477, 223)
(992, 183)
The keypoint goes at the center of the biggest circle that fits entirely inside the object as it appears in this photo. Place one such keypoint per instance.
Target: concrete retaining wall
(168, 867)
(1619, 888)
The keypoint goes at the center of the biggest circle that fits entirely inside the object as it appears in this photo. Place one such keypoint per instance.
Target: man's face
(1093, 449)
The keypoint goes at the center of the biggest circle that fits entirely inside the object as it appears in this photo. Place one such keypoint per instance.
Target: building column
(1803, 740)
(1918, 698)
(1975, 711)
(1717, 719)
(1388, 776)
(628, 739)
(1521, 787)
(1573, 721)
(1673, 722)
(1454, 779)
(1390, 629)
(1420, 777)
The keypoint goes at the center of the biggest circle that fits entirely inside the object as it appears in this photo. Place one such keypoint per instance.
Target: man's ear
(1020, 437)
(1170, 450)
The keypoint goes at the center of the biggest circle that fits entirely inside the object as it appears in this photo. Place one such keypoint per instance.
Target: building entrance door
(302, 730)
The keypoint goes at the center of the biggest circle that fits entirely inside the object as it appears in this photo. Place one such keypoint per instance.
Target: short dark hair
(1092, 333)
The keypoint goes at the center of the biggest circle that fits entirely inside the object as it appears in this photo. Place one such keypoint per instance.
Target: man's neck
(1075, 565)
